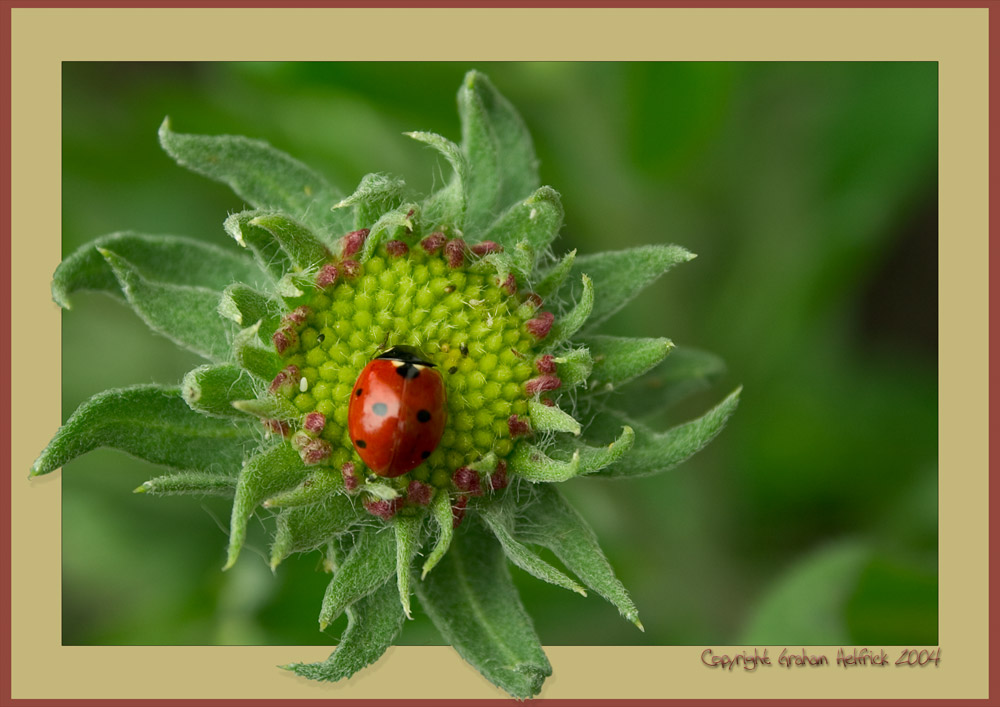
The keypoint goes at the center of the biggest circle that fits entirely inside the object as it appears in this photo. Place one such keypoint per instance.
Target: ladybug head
(406, 354)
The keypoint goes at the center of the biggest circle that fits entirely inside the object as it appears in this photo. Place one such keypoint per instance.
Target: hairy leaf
(549, 520)
(373, 622)
(190, 482)
(305, 528)
(212, 389)
(685, 371)
(475, 606)
(497, 147)
(246, 306)
(443, 518)
(264, 363)
(318, 486)
(166, 259)
(266, 249)
(618, 360)
(574, 367)
(556, 276)
(571, 322)
(621, 275)
(264, 177)
(396, 224)
(568, 458)
(183, 313)
(546, 418)
(408, 538)
(149, 422)
(536, 220)
(303, 248)
(376, 194)
(447, 204)
(266, 473)
(370, 563)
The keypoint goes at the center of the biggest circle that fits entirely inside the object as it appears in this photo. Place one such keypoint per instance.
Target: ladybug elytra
(397, 412)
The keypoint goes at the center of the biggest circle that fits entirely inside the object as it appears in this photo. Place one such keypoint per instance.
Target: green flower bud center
(461, 319)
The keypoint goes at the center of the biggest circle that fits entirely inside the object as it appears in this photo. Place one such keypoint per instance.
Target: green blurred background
(809, 192)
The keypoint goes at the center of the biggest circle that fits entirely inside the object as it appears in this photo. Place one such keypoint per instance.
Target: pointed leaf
(269, 407)
(266, 249)
(408, 538)
(264, 177)
(306, 528)
(592, 459)
(264, 363)
(166, 259)
(556, 276)
(621, 275)
(190, 482)
(618, 360)
(571, 322)
(574, 367)
(184, 314)
(443, 517)
(500, 523)
(303, 248)
(536, 220)
(373, 622)
(212, 389)
(549, 520)
(318, 486)
(476, 607)
(446, 206)
(545, 418)
(370, 563)
(497, 146)
(532, 463)
(654, 452)
(393, 225)
(686, 371)
(376, 194)
(266, 473)
(246, 306)
(568, 458)
(149, 422)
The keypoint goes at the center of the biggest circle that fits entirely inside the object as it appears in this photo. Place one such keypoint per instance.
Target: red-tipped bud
(353, 241)
(539, 326)
(300, 439)
(548, 402)
(498, 479)
(467, 481)
(434, 242)
(297, 317)
(326, 276)
(540, 384)
(419, 493)
(351, 268)
(314, 422)
(518, 427)
(533, 299)
(285, 339)
(279, 427)
(383, 509)
(286, 381)
(315, 451)
(485, 248)
(458, 511)
(454, 252)
(509, 285)
(546, 364)
(397, 249)
(350, 478)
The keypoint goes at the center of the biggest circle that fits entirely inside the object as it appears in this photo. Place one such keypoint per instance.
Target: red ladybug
(397, 411)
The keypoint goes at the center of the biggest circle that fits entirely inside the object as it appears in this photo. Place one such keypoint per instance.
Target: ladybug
(397, 412)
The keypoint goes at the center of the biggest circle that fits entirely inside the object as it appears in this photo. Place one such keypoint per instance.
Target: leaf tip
(141, 489)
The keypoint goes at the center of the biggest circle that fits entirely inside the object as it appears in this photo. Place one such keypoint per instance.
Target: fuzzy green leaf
(264, 363)
(618, 360)
(185, 314)
(532, 463)
(574, 367)
(149, 422)
(264, 177)
(654, 452)
(303, 248)
(373, 622)
(266, 473)
(500, 521)
(305, 528)
(167, 259)
(318, 486)
(395, 224)
(551, 419)
(376, 194)
(266, 249)
(474, 604)
(686, 371)
(446, 206)
(212, 389)
(497, 147)
(621, 275)
(269, 407)
(536, 221)
(556, 275)
(190, 482)
(244, 305)
(409, 534)
(568, 458)
(443, 518)
(370, 563)
(550, 521)
(571, 322)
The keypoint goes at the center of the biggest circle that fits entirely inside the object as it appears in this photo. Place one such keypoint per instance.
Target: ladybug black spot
(359, 392)
(408, 371)
(380, 409)
(423, 415)
(453, 370)
(424, 455)
(360, 443)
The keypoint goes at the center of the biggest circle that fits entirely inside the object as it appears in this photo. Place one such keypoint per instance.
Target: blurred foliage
(807, 189)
